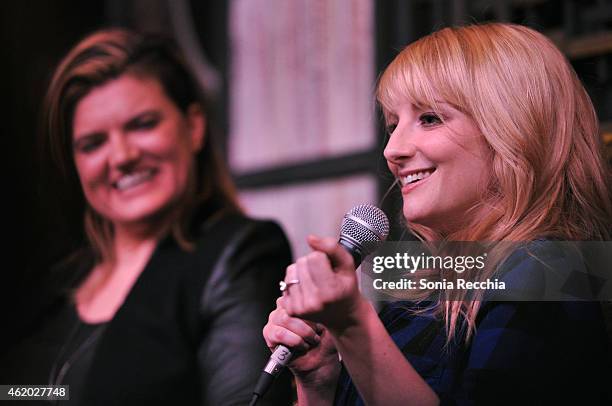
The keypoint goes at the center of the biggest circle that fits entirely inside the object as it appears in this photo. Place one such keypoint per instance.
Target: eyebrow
(129, 123)
(448, 104)
(88, 134)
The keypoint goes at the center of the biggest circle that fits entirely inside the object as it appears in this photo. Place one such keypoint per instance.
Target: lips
(415, 176)
(133, 179)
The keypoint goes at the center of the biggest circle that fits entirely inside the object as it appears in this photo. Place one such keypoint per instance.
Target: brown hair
(108, 54)
(548, 175)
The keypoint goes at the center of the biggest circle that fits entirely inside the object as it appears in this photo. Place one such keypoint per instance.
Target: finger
(295, 325)
(289, 275)
(339, 256)
(301, 268)
(312, 300)
(287, 302)
(322, 274)
(280, 302)
(317, 327)
(276, 335)
(291, 297)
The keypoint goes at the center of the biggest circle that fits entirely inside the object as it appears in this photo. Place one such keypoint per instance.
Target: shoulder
(236, 226)
(542, 278)
(227, 243)
(548, 270)
(534, 256)
(250, 258)
(542, 308)
(530, 322)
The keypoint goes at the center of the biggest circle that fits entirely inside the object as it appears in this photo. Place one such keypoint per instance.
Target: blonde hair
(108, 54)
(548, 175)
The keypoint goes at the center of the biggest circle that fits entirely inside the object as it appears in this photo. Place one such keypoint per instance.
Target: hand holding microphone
(321, 287)
(314, 358)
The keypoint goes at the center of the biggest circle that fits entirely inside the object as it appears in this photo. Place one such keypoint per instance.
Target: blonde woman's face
(133, 149)
(439, 160)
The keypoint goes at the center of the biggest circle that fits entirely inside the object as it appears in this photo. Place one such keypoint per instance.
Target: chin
(135, 214)
(414, 216)
(423, 219)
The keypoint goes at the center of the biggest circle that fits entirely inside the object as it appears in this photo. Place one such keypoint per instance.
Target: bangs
(424, 73)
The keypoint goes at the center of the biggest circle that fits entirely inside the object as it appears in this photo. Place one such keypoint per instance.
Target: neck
(109, 282)
(132, 242)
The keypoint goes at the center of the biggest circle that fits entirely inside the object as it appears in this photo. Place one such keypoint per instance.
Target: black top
(74, 359)
(189, 331)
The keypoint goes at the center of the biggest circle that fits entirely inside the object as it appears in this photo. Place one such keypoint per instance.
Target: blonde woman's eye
(429, 119)
(390, 128)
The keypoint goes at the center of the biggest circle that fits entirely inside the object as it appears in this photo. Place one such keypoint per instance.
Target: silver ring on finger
(283, 286)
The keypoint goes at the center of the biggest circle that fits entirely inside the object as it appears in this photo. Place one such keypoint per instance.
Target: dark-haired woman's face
(134, 149)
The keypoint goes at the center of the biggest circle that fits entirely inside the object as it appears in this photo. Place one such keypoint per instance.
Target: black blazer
(190, 330)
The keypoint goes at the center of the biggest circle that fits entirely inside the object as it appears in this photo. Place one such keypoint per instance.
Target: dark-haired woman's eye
(89, 143)
(143, 122)
(390, 128)
(430, 119)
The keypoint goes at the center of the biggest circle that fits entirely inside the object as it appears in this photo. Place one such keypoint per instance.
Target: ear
(196, 122)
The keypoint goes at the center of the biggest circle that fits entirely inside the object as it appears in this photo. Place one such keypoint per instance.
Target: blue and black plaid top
(520, 353)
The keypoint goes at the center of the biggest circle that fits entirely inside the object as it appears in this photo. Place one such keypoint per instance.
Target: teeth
(133, 179)
(415, 177)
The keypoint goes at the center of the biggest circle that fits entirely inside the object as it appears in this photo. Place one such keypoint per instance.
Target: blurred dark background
(36, 34)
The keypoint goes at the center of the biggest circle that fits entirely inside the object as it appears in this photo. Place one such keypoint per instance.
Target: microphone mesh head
(376, 227)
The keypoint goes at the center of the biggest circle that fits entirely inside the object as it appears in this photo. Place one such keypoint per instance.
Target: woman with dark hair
(169, 293)
(492, 138)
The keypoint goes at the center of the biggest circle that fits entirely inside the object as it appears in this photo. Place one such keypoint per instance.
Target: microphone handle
(277, 362)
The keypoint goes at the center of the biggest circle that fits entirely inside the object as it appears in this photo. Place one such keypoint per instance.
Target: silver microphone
(361, 225)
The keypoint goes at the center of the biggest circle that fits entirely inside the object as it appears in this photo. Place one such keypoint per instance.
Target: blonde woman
(506, 142)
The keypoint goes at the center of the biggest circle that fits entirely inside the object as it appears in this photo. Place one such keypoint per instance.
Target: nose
(123, 152)
(399, 148)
